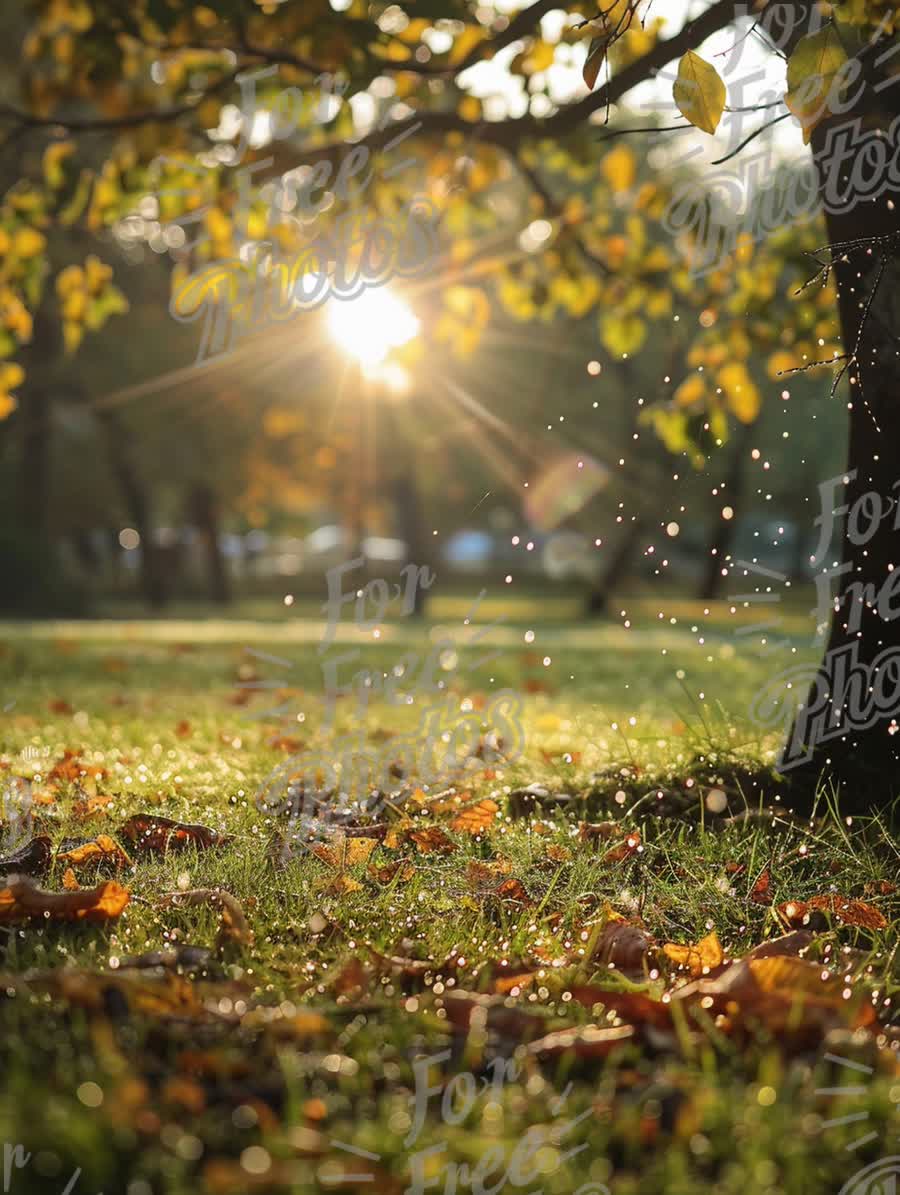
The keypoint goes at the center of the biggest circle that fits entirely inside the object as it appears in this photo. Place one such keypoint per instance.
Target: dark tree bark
(204, 514)
(733, 495)
(845, 727)
(411, 527)
(600, 593)
(137, 504)
(36, 414)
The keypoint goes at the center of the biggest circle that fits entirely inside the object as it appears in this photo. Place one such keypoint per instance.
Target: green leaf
(699, 93)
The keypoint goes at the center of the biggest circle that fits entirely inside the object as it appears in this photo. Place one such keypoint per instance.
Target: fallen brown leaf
(761, 893)
(624, 850)
(149, 832)
(796, 913)
(21, 899)
(432, 839)
(31, 859)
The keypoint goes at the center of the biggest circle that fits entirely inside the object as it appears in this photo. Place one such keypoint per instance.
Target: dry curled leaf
(623, 946)
(21, 900)
(796, 913)
(148, 832)
(625, 849)
(341, 854)
(31, 859)
(70, 768)
(102, 849)
(699, 959)
(432, 839)
(69, 880)
(401, 869)
(595, 832)
(761, 893)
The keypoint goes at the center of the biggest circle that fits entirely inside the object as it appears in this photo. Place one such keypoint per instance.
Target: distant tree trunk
(137, 504)
(732, 495)
(37, 410)
(204, 514)
(411, 527)
(600, 593)
(856, 691)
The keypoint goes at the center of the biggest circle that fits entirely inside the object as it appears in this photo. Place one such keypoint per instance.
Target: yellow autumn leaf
(11, 375)
(470, 108)
(811, 77)
(539, 57)
(622, 335)
(620, 168)
(72, 335)
(743, 397)
(54, 156)
(28, 242)
(68, 280)
(8, 404)
(471, 36)
(781, 362)
(699, 93)
(699, 959)
(691, 391)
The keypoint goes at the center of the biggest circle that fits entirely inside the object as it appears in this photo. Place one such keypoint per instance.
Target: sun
(369, 326)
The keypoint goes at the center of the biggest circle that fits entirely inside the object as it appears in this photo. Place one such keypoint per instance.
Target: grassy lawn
(469, 987)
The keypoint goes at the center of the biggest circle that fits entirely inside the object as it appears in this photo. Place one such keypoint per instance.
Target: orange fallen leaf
(342, 854)
(102, 849)
(22, 899)
(699, 959)
(761, 893)
(625, 850)
(477, 818)
(183, 729)
(404, 872)
(431, 839)
(795, 913)
(69, 882)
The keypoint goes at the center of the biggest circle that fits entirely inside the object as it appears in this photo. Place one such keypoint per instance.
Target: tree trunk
(204, 514)
(411, 527)
(732, 493)
(37, 407)
(845, 727)
(137, 505)
(600, 593)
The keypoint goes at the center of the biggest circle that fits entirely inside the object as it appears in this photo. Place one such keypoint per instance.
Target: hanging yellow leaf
(691, 391)
(28, 242)
(471, 36)
(811, 73)
(619, 168)
(743, 397)
(699, 93)
(622, 334)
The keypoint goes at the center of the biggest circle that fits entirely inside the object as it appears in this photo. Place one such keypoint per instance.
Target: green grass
(252, 1070)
